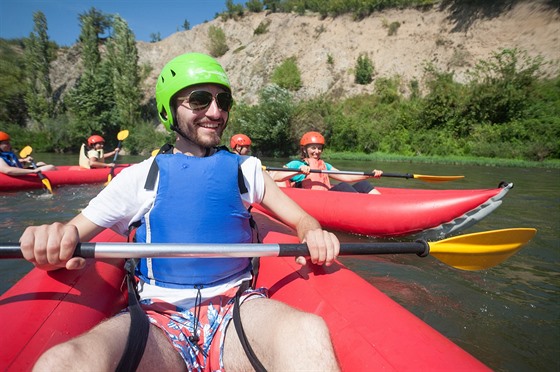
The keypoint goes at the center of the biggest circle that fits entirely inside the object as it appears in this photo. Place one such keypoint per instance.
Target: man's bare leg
(101, 349)
(283, 338)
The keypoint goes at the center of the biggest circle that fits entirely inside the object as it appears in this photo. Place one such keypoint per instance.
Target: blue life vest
(197, 201)
(11, 159)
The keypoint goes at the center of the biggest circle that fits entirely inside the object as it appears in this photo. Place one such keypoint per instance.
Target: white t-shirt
(125, 201)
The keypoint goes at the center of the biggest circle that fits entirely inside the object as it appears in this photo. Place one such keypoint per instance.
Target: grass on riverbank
(493, 162)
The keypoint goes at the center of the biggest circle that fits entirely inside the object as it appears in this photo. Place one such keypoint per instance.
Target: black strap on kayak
(255, 362)
(139, 325)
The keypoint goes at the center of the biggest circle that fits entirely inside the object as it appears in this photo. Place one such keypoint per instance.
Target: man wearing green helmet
(191, 192)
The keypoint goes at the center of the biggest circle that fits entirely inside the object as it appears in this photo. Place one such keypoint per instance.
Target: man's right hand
(50, 247)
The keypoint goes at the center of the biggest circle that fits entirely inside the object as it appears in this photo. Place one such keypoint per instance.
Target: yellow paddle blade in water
(25, 152)
(483, 250)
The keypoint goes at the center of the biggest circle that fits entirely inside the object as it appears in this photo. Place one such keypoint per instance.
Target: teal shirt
(298, 163)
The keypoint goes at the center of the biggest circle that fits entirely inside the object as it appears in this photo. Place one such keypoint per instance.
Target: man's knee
(59, 357)
(312, 325)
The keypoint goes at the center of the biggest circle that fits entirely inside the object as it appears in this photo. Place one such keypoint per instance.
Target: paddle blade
(25, 152)
(121, 136)
(483, 250)
(110, 176)
(47, 184)
(427, 178)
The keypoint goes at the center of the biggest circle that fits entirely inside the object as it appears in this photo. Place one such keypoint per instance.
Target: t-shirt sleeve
(117, 204)
(251, 168)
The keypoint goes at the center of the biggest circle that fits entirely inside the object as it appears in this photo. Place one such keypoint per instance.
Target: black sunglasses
(201, 99)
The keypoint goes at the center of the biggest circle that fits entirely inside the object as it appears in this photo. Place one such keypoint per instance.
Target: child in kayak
(311, 145)
(191, 192)
(12, 165)
(94, 156)
(240, 143)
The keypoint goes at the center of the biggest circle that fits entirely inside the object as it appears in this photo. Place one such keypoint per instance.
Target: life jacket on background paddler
(316, 181)
(84, 151)
(11, 159)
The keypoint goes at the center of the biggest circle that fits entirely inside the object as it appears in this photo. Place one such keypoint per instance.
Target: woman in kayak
(240, 143)
(191, 192)
(311, 145)
(12, 165)
(94, 156)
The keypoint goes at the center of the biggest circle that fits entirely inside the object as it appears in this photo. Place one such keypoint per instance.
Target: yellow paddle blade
(25, 152)
(155, 152)
(47, 184)
(483, 250)
(426, 178)
(121, 136)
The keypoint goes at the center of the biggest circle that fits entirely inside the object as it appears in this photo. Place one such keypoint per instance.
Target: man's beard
(211, 139)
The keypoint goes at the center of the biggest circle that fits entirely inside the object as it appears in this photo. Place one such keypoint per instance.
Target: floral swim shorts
(214, 314)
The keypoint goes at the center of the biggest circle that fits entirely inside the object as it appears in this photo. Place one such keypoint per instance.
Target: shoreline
(456, 160)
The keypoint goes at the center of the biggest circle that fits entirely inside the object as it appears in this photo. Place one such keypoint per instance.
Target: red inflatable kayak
(432, 214)
(369, 330)
(63, 175)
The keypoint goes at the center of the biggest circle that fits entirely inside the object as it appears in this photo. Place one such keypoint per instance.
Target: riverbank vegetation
(507, 113)
(507, 110)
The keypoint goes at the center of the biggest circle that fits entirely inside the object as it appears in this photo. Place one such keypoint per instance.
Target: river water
(507, 316)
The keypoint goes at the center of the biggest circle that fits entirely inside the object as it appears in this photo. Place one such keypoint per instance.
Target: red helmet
(312, 137)
(4, 136)
(239, 140)
(94, 139)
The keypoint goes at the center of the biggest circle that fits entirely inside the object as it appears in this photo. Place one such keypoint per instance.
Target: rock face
(326, 50)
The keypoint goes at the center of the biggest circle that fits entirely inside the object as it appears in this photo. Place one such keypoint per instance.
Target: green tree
(255, 6)
(233, 10)
(155, 37)
(501, 86)
(39, 94)
(123, 60)
(91, 101)
(12, 90)
(186, 25)
(268, 123)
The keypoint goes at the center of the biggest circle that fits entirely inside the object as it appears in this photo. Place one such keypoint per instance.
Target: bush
(217, 45)
(262, 28)
(364, 70)
(287, 75)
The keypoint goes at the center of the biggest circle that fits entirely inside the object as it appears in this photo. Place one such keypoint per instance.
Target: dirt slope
(447, 38)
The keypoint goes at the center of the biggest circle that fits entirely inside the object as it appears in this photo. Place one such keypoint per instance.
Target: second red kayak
(429, 214)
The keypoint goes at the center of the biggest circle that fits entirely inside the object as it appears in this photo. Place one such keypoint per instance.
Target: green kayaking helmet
(181, 72)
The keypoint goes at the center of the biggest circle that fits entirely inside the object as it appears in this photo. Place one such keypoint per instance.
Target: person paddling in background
(95, 156)
(190, 302)
(12, 165)
(240, 143)
(311, 146)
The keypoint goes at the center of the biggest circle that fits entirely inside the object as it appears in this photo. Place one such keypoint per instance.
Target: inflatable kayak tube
(427, 214)
(63, 175)
(369, 330)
